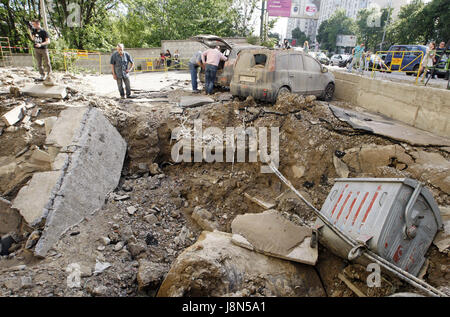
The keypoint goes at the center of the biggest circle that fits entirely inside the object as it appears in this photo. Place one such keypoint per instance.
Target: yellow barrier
(83, 55)
(397, 59)
(156, 64)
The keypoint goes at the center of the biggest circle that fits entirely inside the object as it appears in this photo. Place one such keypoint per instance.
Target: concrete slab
(66, 127)
(90, 172)
(388, 127)
(259, 202)
(194, 101)
(10, 218)
(13, 116)
(33, 199)
(271, 234)
(42, 91)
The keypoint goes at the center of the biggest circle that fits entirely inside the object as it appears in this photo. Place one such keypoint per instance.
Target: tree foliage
(300, 36)
(338, 24)
(370, 27)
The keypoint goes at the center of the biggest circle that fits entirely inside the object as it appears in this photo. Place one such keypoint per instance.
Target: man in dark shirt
(41, 41)
(120, 61)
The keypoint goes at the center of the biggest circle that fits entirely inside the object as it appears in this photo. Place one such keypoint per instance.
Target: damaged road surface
(89, 190)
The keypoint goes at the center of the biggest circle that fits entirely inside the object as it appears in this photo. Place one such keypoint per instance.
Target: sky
(281, 25)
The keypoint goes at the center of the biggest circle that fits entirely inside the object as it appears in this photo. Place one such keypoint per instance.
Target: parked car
(230, 50)
(336, 59)
(321, 57)
(265, 74)
(407, 58)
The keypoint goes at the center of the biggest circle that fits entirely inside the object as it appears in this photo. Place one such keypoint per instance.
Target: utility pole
(386, 25)
(44, 14)
(263, 9)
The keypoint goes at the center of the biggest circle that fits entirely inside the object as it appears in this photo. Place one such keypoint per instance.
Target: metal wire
(411, 279)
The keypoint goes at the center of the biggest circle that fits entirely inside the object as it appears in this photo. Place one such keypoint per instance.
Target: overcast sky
(281, 25)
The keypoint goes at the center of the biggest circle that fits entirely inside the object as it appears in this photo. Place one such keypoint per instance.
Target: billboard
(305, 9)
(279, 8)
(346, 41)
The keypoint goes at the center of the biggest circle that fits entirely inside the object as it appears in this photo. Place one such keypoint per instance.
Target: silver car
(266, 74)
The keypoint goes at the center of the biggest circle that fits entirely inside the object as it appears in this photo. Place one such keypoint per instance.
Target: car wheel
(328, 92)
(283, 90)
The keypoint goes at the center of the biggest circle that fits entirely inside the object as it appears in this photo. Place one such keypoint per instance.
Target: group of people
(166, 58)
(360, 59)
(208, 60)
(431, 59)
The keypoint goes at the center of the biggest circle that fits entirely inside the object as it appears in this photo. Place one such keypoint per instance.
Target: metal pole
(261, 30)
(386, 25)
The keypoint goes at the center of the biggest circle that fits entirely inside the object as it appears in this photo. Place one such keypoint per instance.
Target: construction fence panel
(398, 62)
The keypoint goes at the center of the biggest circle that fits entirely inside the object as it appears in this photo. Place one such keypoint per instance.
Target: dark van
(407, 58)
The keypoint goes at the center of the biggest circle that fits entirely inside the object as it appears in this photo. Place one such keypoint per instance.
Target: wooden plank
(351, 286)
(263, 204)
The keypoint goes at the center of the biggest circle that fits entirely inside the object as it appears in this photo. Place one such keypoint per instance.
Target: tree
(300, 36)
(371, 24)
(338, 24)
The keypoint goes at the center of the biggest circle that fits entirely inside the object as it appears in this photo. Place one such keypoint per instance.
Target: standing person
(212, 58)
(194, 63)
(41, 41)
(120, 61)
(367, 58)
(306, 47)
(168, 58)
(176, 58)
(428, 60)
(286, 44)
(162, 60)
(357, 53)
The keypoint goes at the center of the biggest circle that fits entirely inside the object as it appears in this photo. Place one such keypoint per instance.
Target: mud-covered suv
(230, 50)
(265, 74)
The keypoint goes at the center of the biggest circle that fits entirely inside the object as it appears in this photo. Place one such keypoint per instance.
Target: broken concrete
(87, 170)
(204, 219)
(388, 127)
(214, 266)
(341, 168)
(271, 234)
(194, 101)
(14, 116)
(10, 219)
(42, 91)
(33, 199)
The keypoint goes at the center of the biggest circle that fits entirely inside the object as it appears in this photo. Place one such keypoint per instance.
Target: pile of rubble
(167, 228)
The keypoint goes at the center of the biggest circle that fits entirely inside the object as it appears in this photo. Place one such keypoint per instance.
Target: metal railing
(396, 59)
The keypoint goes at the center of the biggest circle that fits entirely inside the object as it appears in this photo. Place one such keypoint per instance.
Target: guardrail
(157, 64)
(76, 55)
(395, 62)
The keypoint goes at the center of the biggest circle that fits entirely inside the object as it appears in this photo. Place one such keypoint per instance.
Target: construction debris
(204, 270)
(43, 91)
(271, 234)
(259, 202)
(14, 116)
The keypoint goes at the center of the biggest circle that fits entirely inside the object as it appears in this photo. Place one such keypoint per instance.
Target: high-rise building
(308, 26)
(352, 7)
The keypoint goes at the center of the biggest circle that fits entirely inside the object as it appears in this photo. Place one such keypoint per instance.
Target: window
(311, 65)
(260, 60)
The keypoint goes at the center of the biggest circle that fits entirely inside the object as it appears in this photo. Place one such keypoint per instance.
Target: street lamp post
(263, 9)
(44, 14)
(386, 25)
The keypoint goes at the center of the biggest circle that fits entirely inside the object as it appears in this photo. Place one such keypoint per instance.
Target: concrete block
(49, 123)
(10, 218)
(93, 170)
(13, 116)
(42, 91)
(33, 199)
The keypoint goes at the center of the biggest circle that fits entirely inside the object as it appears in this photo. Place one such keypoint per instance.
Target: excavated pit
(146, 223)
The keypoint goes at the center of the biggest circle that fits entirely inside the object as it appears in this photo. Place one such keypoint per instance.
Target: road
(396, 77)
